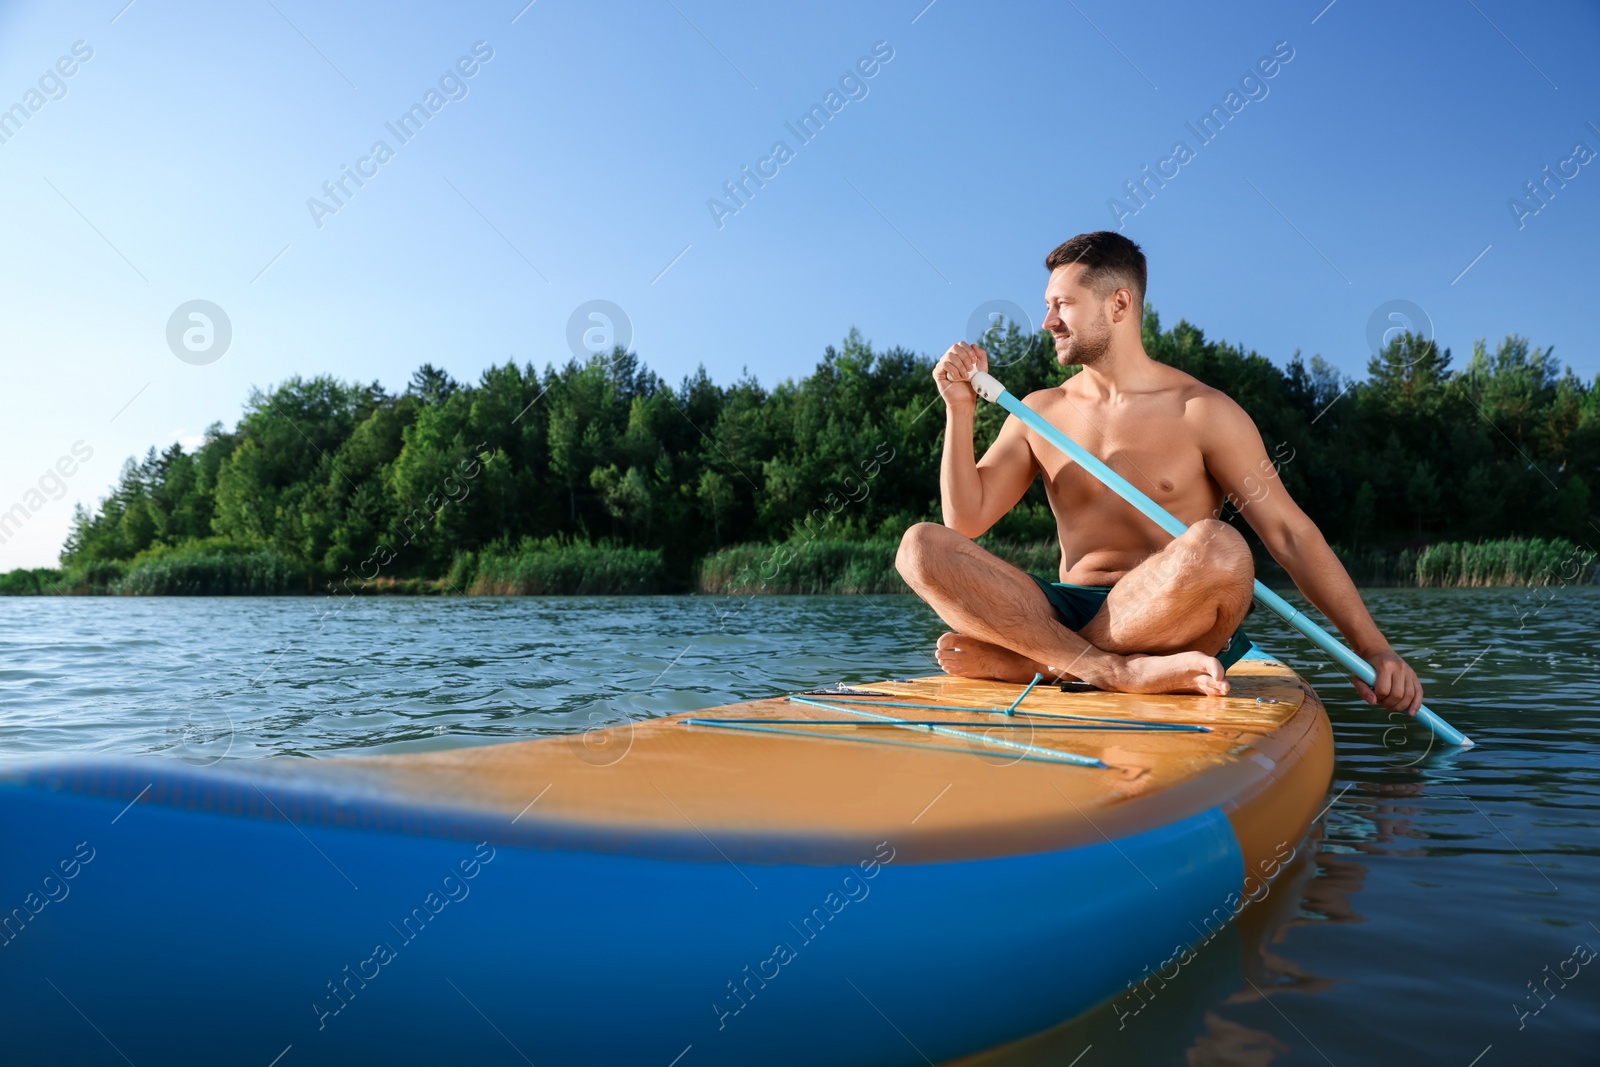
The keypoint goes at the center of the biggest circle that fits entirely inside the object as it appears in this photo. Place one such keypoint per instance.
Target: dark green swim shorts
(1077, 604)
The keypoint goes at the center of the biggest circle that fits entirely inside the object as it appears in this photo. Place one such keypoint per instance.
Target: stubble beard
(1086, 349)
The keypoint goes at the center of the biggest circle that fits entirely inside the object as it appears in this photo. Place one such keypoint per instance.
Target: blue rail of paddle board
(203, 937)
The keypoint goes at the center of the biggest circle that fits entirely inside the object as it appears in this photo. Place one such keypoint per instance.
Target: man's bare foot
(1181, 672)
(968, 657)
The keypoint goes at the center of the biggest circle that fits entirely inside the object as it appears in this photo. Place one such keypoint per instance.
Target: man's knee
(1212, 559)
(1221, 550)
(1224, 564)
(919, 547)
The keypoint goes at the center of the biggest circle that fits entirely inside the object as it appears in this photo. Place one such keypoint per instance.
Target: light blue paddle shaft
(1035, 751)
(990, 389)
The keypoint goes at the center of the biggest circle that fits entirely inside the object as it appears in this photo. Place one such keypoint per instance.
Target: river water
(1443, 915)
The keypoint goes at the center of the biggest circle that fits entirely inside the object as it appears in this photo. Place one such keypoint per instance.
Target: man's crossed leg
(1159, 630)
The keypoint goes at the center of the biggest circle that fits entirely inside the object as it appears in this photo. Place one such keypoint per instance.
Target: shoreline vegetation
(598, 477)
(797, 568)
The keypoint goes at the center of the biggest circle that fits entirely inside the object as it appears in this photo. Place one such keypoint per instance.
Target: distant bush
(463, 568)
(209, 570)
(548, 567)
(213, 567)
(1508, 562)
(819, 566)
(830, 566)
(1036, 557)
(26, 582)
(96, 579)
(217, 567)
(1520, 561)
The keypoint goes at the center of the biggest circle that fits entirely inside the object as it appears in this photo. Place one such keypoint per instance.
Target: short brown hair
(1110, 261)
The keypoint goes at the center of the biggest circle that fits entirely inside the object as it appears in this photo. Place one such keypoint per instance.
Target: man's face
(1076, 316)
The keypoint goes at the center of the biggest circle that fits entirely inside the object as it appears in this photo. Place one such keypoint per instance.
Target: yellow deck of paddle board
(661, 786)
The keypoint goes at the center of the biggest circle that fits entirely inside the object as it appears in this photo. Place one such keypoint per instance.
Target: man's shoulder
(1197, 397)
(1218, 420)
(1048, 395)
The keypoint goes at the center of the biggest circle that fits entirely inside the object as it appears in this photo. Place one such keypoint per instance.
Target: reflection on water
(1184, 1017)
(1438, 905)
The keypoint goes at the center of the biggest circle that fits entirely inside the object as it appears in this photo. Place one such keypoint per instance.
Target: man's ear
(1121, 304)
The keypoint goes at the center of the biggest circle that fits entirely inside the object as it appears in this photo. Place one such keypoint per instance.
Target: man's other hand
(1396, 686)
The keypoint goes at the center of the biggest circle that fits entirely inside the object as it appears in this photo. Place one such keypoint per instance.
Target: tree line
(344, 479)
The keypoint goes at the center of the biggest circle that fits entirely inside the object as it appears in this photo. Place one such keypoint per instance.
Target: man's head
(1096, 289)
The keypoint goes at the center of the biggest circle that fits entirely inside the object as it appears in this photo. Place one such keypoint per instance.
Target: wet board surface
(666, 785)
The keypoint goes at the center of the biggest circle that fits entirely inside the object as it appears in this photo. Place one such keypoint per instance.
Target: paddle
(990, 389)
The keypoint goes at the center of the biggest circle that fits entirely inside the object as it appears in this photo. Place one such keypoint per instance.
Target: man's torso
(1151, 438)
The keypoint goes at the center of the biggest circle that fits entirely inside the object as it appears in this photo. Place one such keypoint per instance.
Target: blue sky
(576, 164)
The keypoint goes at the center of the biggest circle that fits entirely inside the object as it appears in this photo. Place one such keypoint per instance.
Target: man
(1136, 610)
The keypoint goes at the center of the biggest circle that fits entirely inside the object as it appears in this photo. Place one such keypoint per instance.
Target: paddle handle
(988, 387)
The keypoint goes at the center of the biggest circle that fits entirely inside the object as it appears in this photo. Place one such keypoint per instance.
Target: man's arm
(1237, 459)
(973, 495)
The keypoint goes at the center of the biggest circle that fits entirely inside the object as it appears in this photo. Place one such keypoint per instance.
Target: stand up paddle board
(896, 872)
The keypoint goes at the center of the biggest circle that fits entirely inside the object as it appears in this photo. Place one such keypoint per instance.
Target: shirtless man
(1136, 610)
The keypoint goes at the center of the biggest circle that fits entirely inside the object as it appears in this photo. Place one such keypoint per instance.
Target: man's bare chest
(1154, 449)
